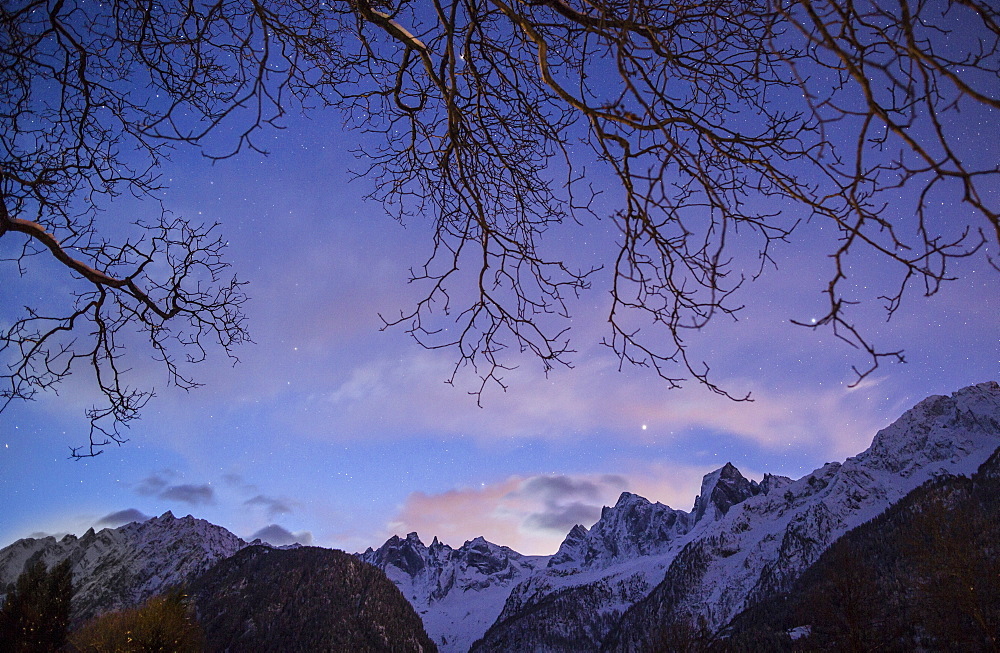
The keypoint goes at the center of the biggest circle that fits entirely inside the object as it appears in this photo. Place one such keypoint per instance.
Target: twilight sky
(334, 433)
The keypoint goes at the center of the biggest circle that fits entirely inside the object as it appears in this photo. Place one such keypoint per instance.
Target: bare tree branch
(714, 129)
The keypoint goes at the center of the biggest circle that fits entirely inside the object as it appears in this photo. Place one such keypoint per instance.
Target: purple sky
(334, 433)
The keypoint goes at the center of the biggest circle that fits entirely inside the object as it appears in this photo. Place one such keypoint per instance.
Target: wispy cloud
(562, 518)
(191, 494)
(159, 485)
(271, 505)
(563, 501)
(405, 394)
(155, 483)
(237, 481)
(531, 515)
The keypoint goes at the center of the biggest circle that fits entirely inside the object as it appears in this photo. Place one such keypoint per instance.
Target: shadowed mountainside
(304, 599)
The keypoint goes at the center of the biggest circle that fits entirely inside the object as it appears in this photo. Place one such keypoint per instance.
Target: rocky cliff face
(633, 528)
(720, 491)
(122, 567)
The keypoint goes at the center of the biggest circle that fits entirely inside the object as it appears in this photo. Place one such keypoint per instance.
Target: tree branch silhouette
(718, 128)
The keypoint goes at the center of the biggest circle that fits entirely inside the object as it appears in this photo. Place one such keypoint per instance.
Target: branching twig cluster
(701, 115)
(93, 97)
(703, 112)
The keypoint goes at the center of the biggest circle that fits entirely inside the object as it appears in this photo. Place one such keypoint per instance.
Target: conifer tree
(35, 614)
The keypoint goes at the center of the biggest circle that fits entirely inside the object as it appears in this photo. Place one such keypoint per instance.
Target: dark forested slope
(923, 575)
(305, 599)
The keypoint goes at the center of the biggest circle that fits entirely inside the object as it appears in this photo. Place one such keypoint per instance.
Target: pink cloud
(533, 514)
(406, 394)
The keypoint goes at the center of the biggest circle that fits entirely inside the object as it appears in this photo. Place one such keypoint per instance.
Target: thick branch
(37, 232)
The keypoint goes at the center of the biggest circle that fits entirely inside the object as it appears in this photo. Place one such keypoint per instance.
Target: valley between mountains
(740, 568)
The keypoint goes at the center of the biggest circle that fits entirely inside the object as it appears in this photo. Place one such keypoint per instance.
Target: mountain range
(644, 571)
(122, 567)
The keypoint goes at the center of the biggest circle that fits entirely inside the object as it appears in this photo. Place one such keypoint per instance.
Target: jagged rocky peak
(573, 547)
(628, 499)
(721, 490)
(121, 567)
(478, 543)
(627, 503)
(413, 558)
(633, 527)
(636, 519)
(438, 550)
(167, 521)
(937, 429)
(485, 556)
(637, 527)
(475, 551)
(772, 482)
(408, 555)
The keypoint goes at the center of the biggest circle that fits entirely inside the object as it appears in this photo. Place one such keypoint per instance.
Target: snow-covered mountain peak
(772, 482)
(633, 527)
(721, 490)
(124, 566)
(764, 543)
(627, 502)
(466, 586)
(628, 499)
(482, 546)
(412, 559)
(409, 555)
(938, 430)
(572, 548)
